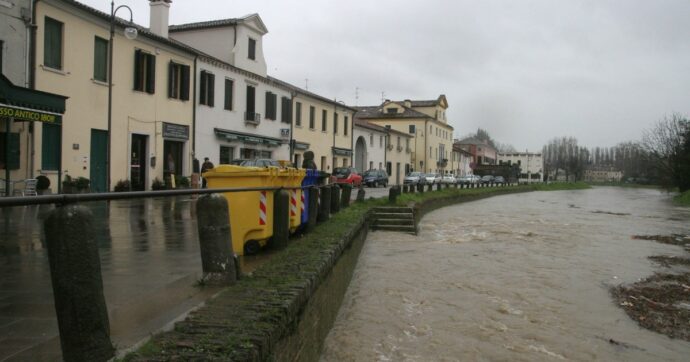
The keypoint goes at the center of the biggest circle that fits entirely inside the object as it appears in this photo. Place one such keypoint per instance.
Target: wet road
(150, 262)
(519, 277)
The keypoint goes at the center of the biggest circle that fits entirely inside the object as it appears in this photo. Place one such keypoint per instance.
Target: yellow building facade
(151, 130)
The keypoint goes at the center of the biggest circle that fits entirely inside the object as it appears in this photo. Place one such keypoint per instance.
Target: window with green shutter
(50, 153)
(100, 59)
(228, 94)
(13, 156)
(298, 114)
(271, 106)
(144, 72)
(206, 88)
(285, 110)
(178, 81)
(52, 43)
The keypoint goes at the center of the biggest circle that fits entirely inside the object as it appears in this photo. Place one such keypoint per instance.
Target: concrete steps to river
(393, 218)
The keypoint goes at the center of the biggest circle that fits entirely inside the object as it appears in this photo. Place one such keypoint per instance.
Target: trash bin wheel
(251, 247)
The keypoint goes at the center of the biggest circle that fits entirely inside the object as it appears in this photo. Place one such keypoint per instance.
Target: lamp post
(130, 33)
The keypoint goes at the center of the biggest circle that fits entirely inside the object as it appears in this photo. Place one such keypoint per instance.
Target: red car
(347, 175)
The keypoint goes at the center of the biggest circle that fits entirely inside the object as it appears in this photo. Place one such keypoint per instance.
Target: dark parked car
(260, 162)
(374, 178)
(499, 180)
(487, 179)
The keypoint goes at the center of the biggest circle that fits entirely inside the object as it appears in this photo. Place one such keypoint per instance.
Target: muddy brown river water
(520, 277)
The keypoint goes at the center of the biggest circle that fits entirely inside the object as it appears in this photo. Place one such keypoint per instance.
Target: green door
(99, 155)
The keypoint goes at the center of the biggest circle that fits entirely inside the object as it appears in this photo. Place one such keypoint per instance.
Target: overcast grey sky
(526, 71)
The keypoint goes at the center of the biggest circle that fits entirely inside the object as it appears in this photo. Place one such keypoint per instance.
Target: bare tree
(505, 148)
(668, 147)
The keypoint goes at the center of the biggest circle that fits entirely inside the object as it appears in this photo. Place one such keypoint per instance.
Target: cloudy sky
(526, 71)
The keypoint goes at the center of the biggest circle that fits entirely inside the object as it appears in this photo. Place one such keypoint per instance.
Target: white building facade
(369, 146)
(531, 165)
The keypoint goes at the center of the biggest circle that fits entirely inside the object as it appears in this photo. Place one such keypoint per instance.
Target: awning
(342, 151)
(301, 146)
(247, 137)
(24, 104)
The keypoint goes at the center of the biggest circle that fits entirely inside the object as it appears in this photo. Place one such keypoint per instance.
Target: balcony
(390, 147)
(400, 148)
(408, 150)
(252, 118)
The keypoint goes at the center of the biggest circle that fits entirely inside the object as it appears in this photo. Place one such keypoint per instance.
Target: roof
(371, 126)
(441, 100)
(307, 93)
(377, 112)
(472, 141)
(140, 29)
(219, 23)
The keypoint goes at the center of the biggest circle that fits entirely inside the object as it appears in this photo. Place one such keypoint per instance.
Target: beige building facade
(398, 156)
(425, 121)
(152, 107)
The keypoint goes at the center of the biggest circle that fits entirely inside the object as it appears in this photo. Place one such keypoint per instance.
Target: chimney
(408, 103)
(159, 17)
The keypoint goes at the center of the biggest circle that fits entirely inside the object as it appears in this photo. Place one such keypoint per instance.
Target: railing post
(325, 207)
(313, 208)
(281, 219)
(75, 271)
(215, 239)
(361, 194)
(335, 199)
(345, 195)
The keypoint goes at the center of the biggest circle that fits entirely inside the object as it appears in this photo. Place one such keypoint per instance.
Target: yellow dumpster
(251, 212)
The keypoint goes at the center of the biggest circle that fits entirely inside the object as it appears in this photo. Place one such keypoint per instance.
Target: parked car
(414, 178)
(260, 162)
(432, 178)
(499, 180)
(347, 175)
(237, 161)
(469, 180)
(374, 178)
(487, 179)
(448, 178)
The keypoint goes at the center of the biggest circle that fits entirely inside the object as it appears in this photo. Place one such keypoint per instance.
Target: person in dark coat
(206, 166)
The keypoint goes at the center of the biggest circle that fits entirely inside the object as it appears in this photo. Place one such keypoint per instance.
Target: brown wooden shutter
(171, 78)
(211, 89)
(151, 73)
(138, 82)
(184, 83)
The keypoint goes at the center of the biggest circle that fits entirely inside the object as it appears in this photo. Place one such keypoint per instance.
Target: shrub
(82, 183)
(157, 184)
(182, 182)
(122, 186)
(42, 183)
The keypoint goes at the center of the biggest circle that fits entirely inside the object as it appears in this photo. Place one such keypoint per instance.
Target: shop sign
(24, 114)
(176, 131)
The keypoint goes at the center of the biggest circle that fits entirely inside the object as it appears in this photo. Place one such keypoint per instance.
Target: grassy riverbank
(249, 319)
(683, 199)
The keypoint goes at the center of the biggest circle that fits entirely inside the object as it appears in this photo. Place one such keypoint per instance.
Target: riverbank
(683, 199)
(287, 306)
(661, 302)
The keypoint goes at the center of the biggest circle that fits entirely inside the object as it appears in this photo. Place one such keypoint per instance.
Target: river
(518, 277)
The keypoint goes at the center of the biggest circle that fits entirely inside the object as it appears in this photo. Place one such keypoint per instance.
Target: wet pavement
(150, 263)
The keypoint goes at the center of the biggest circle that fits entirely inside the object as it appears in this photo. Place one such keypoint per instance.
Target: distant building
(531, 164)
(460, 161)
(599, 173)
(482, 152)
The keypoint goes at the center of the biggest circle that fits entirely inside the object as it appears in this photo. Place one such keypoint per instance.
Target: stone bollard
(431, 187)
(411, 188)
(75, 272)
(281, 219)
(439, 187)
(405, 189)
(420, 188)
(361, 194)
(313, 208)
(345, 196)
(335, 199)
(215, 239)
(393, 194)
(325, 207)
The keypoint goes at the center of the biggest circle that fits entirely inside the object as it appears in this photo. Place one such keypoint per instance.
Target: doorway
(137, 164)
(174, 149)
(98, 160)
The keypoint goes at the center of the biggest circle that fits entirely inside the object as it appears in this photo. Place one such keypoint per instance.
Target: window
(229, 85)
(226, 154)
(389, 167)
(206, 88)
(285, 110)
(431, 128)
(50, 154)
(371, 165)
(371, 139)
(100, 59)
(347, 126)
(144, 72)
(412, 129)
(398, 143)
(324, 119)
(312, 116)
(271, 106)
(250, 114)
(381, 141)
(298, 114)
(252, 49)
(335, 122)
(52, 44)
(2, 49)
(392, 110)
(178, 81)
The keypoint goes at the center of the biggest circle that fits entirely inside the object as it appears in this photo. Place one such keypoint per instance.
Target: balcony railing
(252, 117)
(408, 150)
(390, 147)
(400, 148)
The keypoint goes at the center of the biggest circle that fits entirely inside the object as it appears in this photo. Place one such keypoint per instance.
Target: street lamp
(129, 33)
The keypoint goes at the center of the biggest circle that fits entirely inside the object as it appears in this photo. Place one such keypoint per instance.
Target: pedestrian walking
(206, 166)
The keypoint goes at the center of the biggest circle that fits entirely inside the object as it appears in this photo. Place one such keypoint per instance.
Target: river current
(518, 277)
